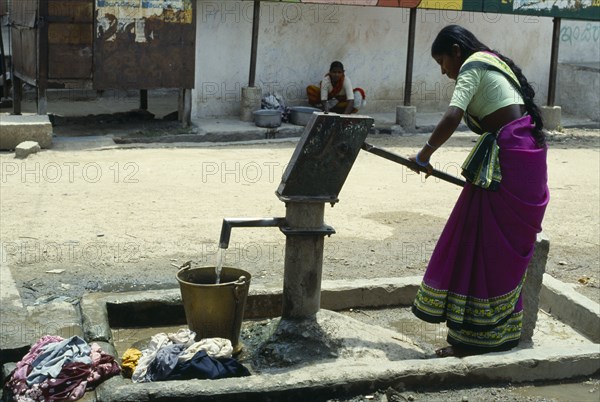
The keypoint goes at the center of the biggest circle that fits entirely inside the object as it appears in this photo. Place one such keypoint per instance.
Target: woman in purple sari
(474, 279)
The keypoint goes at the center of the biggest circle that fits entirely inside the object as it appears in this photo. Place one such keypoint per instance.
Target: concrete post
(551, 117)
(533, 286)
(303, 264)
(406, 117)
(250, 102)
(185, 107)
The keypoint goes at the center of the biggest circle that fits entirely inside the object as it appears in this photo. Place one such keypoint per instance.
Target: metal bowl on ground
(267, 118)
(300, 115)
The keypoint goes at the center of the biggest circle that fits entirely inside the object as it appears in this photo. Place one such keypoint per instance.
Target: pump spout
(229, 223)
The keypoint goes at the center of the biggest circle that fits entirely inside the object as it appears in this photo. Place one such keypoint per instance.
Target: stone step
(14, 129)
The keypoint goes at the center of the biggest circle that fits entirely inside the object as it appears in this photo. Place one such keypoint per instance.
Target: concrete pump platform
(378, 344)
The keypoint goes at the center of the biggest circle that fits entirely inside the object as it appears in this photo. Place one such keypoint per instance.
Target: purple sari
(475, 275)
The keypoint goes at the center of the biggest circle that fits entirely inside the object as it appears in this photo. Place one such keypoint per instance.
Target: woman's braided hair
(469, 44)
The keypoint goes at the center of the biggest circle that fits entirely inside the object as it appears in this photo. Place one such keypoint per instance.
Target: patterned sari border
(468, 312)
(507, 333)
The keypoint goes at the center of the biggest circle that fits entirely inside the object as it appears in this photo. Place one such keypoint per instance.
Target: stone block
(406, 117)
(15, 129)
(533, 285)
(551, 117)
(26, 148)
(251, 97)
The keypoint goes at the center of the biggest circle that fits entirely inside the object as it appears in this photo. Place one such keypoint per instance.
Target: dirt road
(118, 219)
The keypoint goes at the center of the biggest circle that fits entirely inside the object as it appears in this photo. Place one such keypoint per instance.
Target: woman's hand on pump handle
(417, 159)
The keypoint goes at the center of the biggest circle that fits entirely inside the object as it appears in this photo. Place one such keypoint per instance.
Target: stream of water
(219, 265)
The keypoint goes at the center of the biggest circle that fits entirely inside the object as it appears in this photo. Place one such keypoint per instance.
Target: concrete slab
(562, 301)
(16, 129)
(233, 129)
(329, 379)
(21, 327)
(556, 351)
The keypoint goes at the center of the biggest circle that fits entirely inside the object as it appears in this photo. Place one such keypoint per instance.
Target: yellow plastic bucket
(214, 310)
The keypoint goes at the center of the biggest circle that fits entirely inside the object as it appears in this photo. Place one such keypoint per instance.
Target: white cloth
(214, 347)
(184, 336)
(158, 341)
(359, 101)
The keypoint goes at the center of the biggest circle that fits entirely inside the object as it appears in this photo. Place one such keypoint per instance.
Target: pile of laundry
(177, 356)
(58, 369)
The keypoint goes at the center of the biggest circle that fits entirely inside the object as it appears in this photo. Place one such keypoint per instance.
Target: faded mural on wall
(548, 5)
(129, 18)
(445, 4)
(144, 44)
(580, 9)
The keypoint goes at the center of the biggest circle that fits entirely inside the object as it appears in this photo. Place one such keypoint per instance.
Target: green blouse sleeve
(466, 86)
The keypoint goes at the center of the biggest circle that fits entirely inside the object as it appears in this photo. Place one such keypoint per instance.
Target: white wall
(297, 42)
